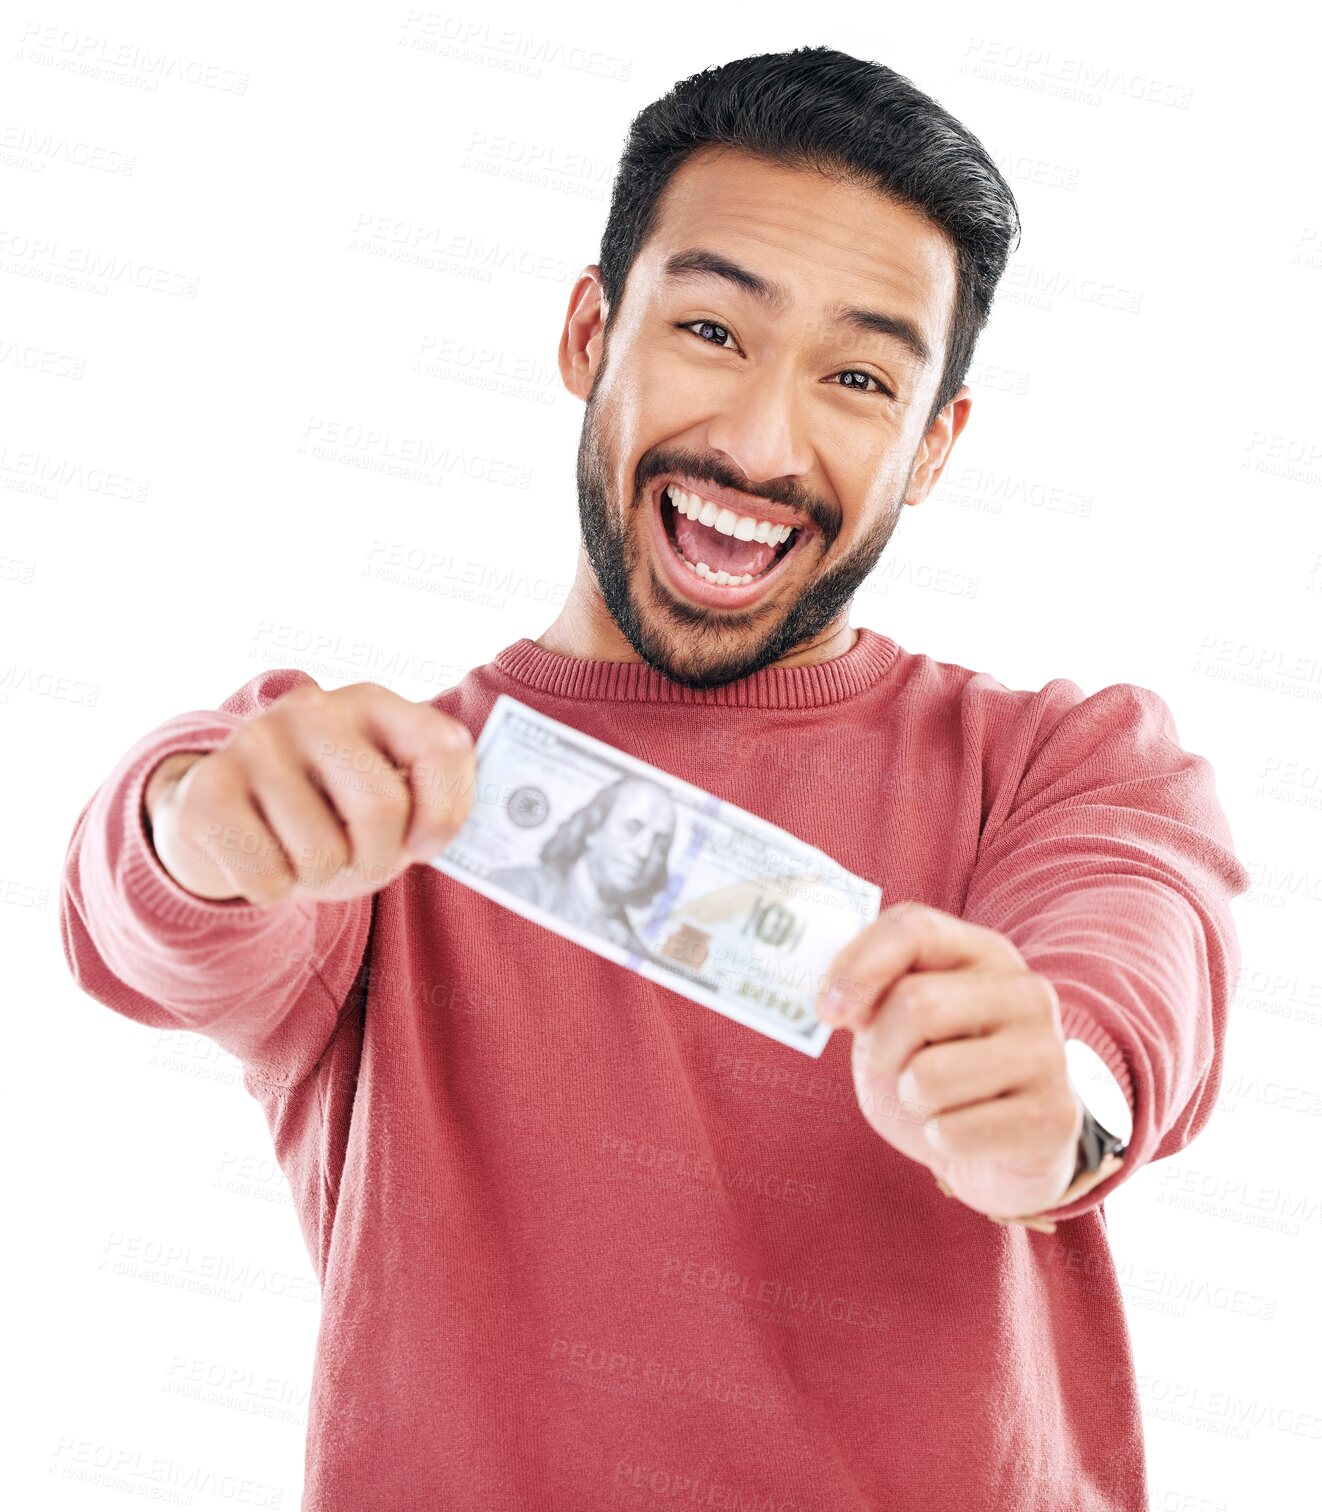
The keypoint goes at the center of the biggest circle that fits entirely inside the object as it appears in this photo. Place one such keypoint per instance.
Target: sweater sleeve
(1110, 866)
(266, 984)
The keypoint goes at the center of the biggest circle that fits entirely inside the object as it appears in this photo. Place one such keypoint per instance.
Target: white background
(1135, 499)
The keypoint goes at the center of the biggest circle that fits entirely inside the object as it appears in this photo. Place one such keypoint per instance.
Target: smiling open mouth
(720, 546)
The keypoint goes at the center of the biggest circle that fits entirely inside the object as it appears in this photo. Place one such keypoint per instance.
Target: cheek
(664, 392)
(871, 484)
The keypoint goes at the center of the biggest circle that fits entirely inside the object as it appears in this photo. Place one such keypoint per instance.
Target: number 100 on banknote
(666, 880)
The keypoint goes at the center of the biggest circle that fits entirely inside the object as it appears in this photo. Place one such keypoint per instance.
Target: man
(583, 1243)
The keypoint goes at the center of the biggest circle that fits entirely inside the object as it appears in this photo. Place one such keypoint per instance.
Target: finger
(254, 864)
(959, 1072)
(313, 836)
(1020, 1129)
(370, 795)
(435, 753)
(931, 1007)
(906, 937)
(211, 818)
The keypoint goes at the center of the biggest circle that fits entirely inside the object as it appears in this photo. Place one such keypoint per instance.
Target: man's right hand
(329, 795)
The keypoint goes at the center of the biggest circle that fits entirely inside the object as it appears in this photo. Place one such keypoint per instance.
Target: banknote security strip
(653, 873)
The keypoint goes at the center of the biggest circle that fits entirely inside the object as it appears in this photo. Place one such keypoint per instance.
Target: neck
(584, 629)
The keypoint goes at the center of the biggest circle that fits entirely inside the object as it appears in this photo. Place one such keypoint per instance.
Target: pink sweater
(583, 1243)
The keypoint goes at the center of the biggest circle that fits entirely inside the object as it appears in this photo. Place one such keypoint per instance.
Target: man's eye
(703, 326)
(870, 377)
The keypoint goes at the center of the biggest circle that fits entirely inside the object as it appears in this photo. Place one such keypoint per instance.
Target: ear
(934, 450)
(580, 342)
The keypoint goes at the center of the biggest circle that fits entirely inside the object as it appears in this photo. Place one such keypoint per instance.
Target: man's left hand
(958, 1057)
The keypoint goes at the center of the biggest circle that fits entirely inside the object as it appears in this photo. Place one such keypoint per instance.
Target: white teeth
(741, 527)
(722, 577)
(727, 521)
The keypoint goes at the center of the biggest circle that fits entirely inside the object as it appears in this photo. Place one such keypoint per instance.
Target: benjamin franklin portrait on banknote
(607, 856)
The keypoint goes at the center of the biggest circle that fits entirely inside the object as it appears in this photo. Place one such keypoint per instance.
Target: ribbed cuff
(1076, 1024)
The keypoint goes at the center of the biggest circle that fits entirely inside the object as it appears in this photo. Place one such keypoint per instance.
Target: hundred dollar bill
(651, 872)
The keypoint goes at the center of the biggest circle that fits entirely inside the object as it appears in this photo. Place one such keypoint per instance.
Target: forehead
(641, 800)
(825, 239)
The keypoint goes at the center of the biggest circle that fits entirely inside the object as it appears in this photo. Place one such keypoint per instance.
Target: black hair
(819, 108)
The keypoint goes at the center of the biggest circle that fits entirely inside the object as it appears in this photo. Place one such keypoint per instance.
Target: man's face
(774, 409)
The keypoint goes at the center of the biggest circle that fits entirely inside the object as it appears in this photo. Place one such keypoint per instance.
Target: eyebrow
(699, 261)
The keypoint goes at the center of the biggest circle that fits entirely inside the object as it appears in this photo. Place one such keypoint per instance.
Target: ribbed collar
(802, 687)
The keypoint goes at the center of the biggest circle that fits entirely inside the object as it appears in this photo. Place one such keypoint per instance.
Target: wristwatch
(1100, 1151)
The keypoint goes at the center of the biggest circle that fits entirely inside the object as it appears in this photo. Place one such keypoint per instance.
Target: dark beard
(613, 553)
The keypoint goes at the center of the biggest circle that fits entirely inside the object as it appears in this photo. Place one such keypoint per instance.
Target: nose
(640, 851)
(759, 424)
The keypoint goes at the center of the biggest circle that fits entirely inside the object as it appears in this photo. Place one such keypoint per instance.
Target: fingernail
(421, 849)
(831, 1008)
